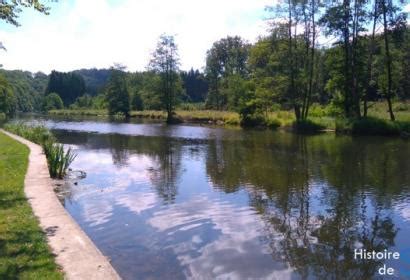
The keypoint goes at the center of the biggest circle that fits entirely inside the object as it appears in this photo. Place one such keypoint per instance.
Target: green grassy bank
(24, 253)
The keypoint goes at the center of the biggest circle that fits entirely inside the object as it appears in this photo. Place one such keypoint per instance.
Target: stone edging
(74, 250)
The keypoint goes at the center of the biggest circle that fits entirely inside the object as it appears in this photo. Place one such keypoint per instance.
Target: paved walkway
(75, 252)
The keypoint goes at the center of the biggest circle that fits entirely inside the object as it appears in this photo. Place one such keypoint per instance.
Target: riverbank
(72, 248)
(24, 253)
(321, 119)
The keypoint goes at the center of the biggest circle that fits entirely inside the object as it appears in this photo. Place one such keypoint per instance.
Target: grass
(58, 160)
(24, 253)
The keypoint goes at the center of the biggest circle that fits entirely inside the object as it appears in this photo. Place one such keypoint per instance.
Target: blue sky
(97, 33)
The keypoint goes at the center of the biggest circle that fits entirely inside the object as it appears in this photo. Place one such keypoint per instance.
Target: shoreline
(73, 249)
(369, 126)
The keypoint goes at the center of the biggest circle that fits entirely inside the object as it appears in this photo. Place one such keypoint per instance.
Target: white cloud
(95, 33)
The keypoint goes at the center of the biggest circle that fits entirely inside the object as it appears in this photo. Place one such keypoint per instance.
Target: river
(195, 202)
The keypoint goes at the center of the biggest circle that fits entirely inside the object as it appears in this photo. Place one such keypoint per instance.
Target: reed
(58, 159)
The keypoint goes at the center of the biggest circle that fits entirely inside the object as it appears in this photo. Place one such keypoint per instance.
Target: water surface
(181, 202)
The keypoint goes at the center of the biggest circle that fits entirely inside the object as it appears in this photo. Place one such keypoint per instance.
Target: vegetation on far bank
(322, 118)
(24, 253)
(58, 159)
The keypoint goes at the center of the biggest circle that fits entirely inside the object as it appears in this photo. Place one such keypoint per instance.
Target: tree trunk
(370, 61)
(312, 60)
(347, 64)
(388, 62)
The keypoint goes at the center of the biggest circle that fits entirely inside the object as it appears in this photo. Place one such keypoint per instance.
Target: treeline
(342, 54)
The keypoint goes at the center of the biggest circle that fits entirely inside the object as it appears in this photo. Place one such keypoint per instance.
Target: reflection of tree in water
(119, 146)
(165, 176)
(352, 197)
(165, 152)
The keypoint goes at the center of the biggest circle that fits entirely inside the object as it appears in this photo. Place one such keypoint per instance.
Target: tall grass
(58, 159)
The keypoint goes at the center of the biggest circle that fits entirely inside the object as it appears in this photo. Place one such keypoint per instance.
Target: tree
(195, 85)
(346, 20)
(9, 10)
(392, 18)
(7, 99)
(117, 94)
(69, 86)
(227, 57)
(28, 88)
(165, 63)
(52, 102)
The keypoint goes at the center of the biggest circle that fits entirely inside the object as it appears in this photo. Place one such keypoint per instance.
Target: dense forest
(340, 54)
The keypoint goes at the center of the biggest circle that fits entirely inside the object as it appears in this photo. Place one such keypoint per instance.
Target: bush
(52, 102)
(273, 123)
(307, 126)
(369, 126)
(250, 115)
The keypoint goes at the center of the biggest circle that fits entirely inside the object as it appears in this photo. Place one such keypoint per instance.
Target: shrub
(369, 126)
(273, 123)
(52, 102)
(250, 114)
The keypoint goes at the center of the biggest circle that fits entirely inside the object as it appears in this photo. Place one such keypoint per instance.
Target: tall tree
(227, 57)
(392, 18)
(346, 20)
(165, 62)
(195, 85)
(69, 86)
(117, 94)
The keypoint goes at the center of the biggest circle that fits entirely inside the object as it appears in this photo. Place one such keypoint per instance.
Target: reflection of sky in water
(203, 231)
(160, 209)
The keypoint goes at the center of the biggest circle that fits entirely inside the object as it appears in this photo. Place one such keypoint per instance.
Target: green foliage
(9, 10)
(136, 102)
(165, 63)
(69, 86)
(58, 160)
(95, 79)
(52, 102)
(117, 94)
(28, 89)
(368, 126)
(226, 58)
(36, 134)
(195, 85)
(7, 99)
(250, 114)
(273, 123)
